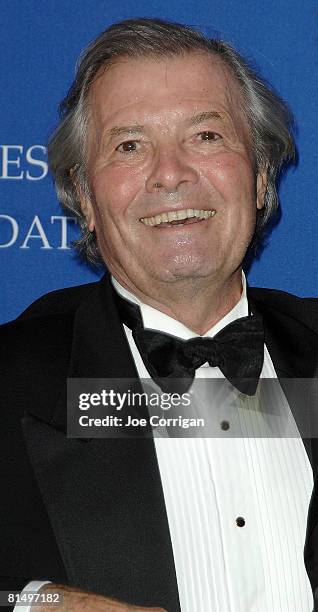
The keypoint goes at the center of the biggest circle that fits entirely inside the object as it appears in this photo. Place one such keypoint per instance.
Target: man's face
(167, 140)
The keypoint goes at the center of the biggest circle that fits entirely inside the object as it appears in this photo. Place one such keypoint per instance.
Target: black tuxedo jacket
(92, 513)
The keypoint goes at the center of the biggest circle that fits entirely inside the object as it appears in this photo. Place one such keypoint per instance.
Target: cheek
(116, 187)
(230, 175)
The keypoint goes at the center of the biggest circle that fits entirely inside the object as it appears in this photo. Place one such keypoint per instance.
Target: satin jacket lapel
(104, 497)
(292, 346)
(293, 350)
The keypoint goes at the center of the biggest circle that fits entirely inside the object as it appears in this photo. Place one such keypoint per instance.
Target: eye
(208, 135)
(129, 146)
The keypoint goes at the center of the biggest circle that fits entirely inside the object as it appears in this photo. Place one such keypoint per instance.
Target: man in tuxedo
(167, 152)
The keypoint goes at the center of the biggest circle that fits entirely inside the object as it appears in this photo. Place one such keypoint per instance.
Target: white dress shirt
(215, 484)
(209, 483)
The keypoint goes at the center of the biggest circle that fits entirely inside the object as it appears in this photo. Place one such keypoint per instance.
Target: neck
(199, 305)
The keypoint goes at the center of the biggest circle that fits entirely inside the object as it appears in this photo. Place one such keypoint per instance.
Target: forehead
(135, 89)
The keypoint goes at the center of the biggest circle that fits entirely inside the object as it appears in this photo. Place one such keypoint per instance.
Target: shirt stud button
(240, 521)
(225, 425)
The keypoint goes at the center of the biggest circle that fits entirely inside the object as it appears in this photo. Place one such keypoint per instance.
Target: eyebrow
(138, 129)
(125, 129)
(205, 116)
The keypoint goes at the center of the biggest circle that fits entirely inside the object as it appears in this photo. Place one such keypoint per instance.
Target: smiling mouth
(179, 217)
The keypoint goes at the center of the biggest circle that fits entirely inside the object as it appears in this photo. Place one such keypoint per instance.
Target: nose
(170, 170)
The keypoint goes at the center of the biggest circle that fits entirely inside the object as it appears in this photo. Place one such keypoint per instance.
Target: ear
(84, 200)
(88, 211)
(261, 185)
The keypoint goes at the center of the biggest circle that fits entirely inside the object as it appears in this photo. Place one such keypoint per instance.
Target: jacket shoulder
(271, 301)
(40, 339)
(59, 302)
(53, 311)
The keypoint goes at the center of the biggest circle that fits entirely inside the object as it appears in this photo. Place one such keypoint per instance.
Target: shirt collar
(155, 319)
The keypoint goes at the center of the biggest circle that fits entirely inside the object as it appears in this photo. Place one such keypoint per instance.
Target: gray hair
(269, 119)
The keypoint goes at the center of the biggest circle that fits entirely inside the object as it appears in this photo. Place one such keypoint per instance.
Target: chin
(184, 267)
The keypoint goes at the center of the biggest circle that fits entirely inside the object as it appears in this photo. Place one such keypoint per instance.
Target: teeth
(190, 213)
(178, 215)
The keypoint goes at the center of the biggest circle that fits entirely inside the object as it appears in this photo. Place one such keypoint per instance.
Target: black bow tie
(238, 350)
